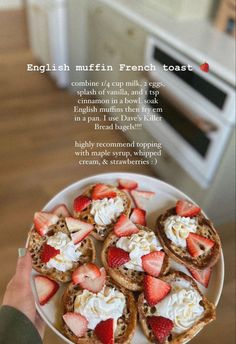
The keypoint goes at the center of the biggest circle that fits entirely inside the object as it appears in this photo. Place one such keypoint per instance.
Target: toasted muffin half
(128, 278)
(126, 324)
(182, 255)
(100, 231)
(145, 311)
(36, 243)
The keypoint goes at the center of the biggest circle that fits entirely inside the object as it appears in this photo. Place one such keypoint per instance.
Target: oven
(197, 111)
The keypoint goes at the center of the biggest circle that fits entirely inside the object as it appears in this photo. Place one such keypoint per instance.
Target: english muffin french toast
(188, 237)
(58, 244)
(130, 253)
(101, 205)
(172, 309)
(98, 304)
(96, 309)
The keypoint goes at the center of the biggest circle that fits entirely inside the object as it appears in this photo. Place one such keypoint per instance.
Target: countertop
(199, 40)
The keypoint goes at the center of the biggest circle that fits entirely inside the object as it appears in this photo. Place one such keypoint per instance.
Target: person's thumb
(24, 265)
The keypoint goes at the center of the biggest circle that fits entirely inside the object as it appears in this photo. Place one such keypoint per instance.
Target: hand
(19, 291)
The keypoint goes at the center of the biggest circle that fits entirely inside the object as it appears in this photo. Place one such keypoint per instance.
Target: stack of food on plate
(154, 274)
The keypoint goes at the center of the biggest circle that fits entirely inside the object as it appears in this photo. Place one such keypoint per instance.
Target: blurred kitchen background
(198, 131)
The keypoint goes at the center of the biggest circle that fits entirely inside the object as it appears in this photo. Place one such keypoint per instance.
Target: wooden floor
(37, 160)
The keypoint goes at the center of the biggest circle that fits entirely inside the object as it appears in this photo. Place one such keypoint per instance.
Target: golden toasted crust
(144, 310)
(36, 242)
(125, 325)
(128, 278)
(182, 256)
(99, 232)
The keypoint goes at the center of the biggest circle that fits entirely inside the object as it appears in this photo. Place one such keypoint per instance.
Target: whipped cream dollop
(108, 303)
(69, 252)
(181, 306)
(106, 211)
(138, 245)
(177, 229)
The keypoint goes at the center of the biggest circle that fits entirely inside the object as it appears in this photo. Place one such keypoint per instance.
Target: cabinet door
(103, 47)
(39, 31)
(129, 34)
(48, 34)
(114, 39)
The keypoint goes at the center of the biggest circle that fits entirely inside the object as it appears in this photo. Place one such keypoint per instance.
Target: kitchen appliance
(198, 112)
(130, 24)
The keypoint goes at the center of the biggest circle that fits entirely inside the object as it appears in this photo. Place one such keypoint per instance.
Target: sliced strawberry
(105, 331)
(61, 210)
(95, 285)
(45, 288)
(127, 184)
(117, 257)
(161, 327)
(155, 290)
(81, 234)
(138, 216)
(152, 263)
(72, 224)
(75, 225)
(101, 191)
(77, 323)
(198, 244)
(88, 270)
(81, 203)
(79, 229)
(43, 221)
(202, 276)
(141, 197)
(187, 209)
(125, 227)
(48, 252)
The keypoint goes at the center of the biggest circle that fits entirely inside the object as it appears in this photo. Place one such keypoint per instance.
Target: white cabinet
(114, 40)
(47, 21)
(100, 34)
(103, 47)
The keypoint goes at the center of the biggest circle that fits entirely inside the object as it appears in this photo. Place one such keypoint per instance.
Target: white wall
(10, 4)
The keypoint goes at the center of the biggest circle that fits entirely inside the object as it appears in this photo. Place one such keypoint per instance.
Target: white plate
(165, 197)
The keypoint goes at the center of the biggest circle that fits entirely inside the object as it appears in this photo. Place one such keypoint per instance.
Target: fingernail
(22, 252)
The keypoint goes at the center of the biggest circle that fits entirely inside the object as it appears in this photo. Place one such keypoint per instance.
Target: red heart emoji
(205, 67)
